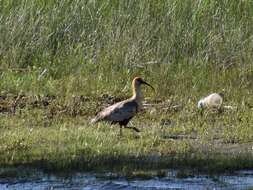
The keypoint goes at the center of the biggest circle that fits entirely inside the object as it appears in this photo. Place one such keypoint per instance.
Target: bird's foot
(134, 128)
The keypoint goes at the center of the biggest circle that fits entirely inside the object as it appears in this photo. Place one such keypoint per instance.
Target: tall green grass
(97, 46)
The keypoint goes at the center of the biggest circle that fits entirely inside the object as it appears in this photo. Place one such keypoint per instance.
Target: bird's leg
(136, 131)
(120, 131)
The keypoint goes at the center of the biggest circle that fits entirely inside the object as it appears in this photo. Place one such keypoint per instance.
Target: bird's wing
(119, 111)
(104, 113)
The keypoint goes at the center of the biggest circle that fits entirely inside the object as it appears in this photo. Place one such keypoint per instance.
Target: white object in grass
(213, 100)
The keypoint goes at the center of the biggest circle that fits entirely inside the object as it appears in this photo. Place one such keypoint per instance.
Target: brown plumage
(122, 112)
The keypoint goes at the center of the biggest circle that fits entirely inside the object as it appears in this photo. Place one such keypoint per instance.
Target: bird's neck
(137, 95)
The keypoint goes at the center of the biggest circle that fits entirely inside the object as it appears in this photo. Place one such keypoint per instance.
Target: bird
(122, 112)
(212, 101)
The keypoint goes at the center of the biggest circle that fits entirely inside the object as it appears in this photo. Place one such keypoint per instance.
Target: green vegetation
(61, 61)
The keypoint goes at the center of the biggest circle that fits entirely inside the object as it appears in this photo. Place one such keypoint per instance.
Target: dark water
(89, 181)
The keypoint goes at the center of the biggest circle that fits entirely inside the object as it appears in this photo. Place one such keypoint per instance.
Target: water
(89, 181)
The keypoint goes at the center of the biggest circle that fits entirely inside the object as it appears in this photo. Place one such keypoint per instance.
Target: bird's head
(200, 104)
(138, 81)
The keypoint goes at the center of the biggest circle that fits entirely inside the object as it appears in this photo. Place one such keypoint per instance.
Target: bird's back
(118, 112)
(214, 100)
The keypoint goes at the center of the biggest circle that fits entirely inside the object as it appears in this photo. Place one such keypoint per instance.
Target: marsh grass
(211, 142)
(91, 50)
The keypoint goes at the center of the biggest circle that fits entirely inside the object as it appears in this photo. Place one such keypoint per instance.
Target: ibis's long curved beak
(143, 82)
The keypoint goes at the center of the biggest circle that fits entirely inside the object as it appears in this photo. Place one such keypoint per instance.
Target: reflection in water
(89, 181)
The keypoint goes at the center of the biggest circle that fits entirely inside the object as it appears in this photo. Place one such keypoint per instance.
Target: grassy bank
(54, 136)
(61, 61)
